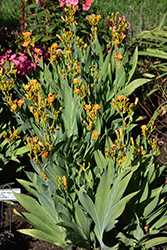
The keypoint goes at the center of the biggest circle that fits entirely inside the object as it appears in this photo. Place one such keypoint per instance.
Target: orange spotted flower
(76, 91)
(119, 56)
(20, 102)
(50, 98)
(45, 154)
(14, 106)
(95, 134)
(96, 106)
(87, 107)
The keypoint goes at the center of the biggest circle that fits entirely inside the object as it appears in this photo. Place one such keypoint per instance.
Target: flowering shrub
(95, 184)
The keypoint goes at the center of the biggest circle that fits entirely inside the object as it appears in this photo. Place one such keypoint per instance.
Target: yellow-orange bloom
(76, 91)
(31, 108)
(95, 134)
(54, 46)
(36, 114)
(33, 81)
(143, 127)
(120, 97)
(117, 42)
(14, 106)
(121, 132)
(98, 17)
(75, 80)
(68, 52)
(123, 159)
(50, 98)
(27, 86)
(20, 102)
(25, 44)
(96, 106)
(119, 56)
(27, 34)
(45, 154)
(87, 107)
(146, 228)
(40, 144)
(35, 139)
(37, 50)
(65, 181)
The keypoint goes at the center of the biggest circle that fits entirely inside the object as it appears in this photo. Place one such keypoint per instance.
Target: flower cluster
(80, 88)
(91, 115)
(12, 136)
(22, 63)
(62, 183)
(85, 4)
(118, 26)
(7, 79)
(55, 54)
(93, 21)
(38, 148)
(122, 105)
(40, 106)
(118, 150)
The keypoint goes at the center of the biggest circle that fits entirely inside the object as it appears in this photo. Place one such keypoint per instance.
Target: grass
(143, 15)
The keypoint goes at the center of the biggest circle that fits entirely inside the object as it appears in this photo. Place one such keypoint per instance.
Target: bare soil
(16, 240)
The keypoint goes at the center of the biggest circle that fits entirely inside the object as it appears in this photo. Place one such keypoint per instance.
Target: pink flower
(87, 5)
(12, 57)
(62, 3)
(40, 1)
(128, 25)
(73, 2)
(108, 51)
(9, 51)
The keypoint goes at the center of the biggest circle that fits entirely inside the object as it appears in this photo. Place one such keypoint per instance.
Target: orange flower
(120, 97)
(146, 228)
(45, 176)
(119, 56)
(96, 106)
(54, 46)
(37, 50)
(87, 107)
(123, 159)
(76, 91)
(98, 17)
(31, 108)
(25, 44)
(35, 139)
(113, 101)
(36, 114)
(33, 81)
(143, 127)
(65, 181)
(121, 132)
(20, 102)
(27, 34)
(27, 86)
(117, 42)
(50, 98)
(14, 106)
(45, 154)
(68, 52)
(75, 80)
(40, 144)
(95, 134)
